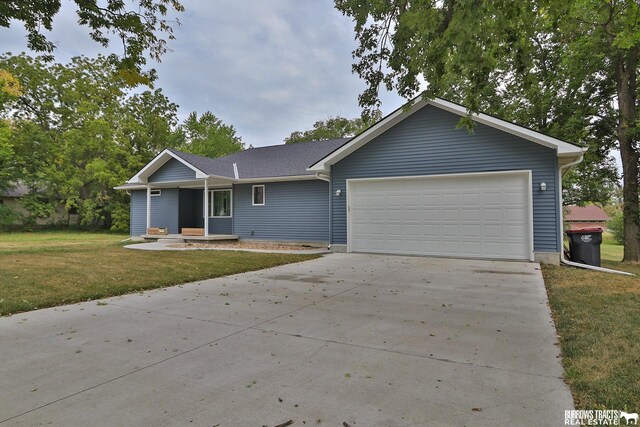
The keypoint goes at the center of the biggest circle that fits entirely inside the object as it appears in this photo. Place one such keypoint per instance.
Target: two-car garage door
(486, 215)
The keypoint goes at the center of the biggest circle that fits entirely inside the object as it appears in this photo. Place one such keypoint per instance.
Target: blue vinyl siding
(293, 211)
(428, 143)
(220, 225)
(138, 212)
(164, 211)
(173, 170)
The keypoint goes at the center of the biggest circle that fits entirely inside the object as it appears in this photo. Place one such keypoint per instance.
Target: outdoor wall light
(338, 193)
(543, 186)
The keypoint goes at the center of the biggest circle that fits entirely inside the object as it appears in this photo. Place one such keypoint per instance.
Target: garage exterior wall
(293, 211)
(164, 211)
(428, 143)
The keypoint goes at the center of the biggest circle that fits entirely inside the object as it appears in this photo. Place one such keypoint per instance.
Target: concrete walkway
(365, 340)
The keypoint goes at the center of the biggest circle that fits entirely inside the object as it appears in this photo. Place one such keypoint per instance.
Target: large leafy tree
(78, 131)
(334, 127)
(207, 136)
(565, 67)
(138, 29)
(10, 90)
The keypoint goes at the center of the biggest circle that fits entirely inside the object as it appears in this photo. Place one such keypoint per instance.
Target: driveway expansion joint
(405, 353)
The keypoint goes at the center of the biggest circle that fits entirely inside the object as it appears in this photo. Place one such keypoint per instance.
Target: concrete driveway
(365, 340)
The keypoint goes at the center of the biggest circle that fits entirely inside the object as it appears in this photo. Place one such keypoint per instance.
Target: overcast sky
(266, 67)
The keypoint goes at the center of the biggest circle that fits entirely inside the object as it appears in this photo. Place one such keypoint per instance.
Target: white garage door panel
(474, 215)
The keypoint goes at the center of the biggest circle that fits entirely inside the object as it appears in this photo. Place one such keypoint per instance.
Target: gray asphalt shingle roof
(207, 165)
(266, 162)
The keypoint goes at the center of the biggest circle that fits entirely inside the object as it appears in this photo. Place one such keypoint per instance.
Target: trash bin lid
(585, 230)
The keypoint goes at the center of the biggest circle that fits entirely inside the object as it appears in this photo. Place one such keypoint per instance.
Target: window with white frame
(220, 203)
(257, 198)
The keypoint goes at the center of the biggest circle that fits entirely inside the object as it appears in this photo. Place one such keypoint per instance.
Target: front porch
(181, 238)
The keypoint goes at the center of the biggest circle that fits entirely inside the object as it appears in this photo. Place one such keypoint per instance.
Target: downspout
(562, 258)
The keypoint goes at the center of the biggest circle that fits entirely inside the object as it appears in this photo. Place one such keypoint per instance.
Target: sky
(266, 67)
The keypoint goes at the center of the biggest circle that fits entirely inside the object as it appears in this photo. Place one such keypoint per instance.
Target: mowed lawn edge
(597, 317)
(40, 270)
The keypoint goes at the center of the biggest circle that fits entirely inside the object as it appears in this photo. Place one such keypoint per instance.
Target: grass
(597, 317)
(46, 269)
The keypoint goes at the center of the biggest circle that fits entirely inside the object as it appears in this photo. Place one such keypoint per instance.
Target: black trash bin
(584, 245)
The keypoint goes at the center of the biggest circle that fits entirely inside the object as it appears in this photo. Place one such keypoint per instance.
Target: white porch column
(206, 208)
(148, 209)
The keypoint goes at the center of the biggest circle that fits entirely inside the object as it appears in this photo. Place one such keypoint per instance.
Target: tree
(335, 127)
(78, 131)
(568, 68)
(208, 136)
(10, 90)
(138, 29)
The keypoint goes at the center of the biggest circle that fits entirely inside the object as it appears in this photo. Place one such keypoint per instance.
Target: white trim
(528, 173)
(530, 201)
(264, 195)
(235, 171)
(323, 177)
(277, 179)
(130, 187)
(212, 199)
(157, 162)
(564, 149)
(227, 181)
(157, 194)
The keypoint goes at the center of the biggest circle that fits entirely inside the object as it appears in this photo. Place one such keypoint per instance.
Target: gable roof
(586, 213)
(566, 152)
(284, 160)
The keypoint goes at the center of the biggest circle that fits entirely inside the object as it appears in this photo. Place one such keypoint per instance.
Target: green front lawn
(45, 269)
(597, 317)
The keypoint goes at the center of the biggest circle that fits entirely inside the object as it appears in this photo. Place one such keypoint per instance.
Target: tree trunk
(627, 86)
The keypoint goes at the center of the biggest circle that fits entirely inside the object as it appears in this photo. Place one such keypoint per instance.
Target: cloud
(266, 67)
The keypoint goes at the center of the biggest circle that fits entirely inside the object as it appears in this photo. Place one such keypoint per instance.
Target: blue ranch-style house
(412, 184)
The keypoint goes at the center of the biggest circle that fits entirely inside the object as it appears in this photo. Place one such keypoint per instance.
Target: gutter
(323, 176)
(563, 260)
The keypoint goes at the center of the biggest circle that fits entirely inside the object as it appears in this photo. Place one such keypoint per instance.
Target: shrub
(7, 217)
(616, 226)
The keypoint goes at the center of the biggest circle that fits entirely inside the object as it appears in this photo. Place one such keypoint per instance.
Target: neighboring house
(589, 216)
(413, 183)
(11, 198)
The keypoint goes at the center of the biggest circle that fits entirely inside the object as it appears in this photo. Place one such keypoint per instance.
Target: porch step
(171, 240)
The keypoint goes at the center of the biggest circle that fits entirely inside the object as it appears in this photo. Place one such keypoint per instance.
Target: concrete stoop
(171, 240)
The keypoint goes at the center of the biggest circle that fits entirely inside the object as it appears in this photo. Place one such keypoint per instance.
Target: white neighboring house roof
(566, 152)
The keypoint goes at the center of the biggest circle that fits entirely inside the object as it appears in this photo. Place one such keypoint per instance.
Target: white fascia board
(276, 179)
(157, 162)
(130, 187)
(563, 149)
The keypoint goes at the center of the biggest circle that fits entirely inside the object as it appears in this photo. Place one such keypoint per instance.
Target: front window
(220, 203)
(258, 195)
